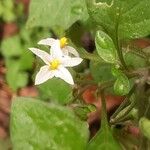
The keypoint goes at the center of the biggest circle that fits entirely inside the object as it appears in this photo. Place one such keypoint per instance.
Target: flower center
(54, 64)
(63, 42)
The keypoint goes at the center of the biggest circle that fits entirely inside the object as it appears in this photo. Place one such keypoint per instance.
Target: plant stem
(106, 84)
(104, 121)
(118, 47)
(120, 54)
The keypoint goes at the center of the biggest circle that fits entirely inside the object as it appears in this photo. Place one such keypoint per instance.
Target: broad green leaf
(101, 72)
(122, 85)
(127, 18)
(56, 90)
(11, 46)
(144, 125)
(105, 47)
(51, 13)
(134, 61)
(41, 126)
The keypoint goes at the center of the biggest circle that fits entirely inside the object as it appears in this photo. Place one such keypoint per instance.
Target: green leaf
(14, 76)
(16, 79)
(121, 16)
(105, 47)
(56, 90)
(1, 9)
(8, 13)
(122, 85)
(51, 13)
(11, 46)
(104, 140)
(116, 72)
(26, 60)
(144, 125)
(41, 126)
(101, 72)
(134, 61)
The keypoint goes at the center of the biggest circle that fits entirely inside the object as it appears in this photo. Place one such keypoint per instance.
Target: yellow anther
(63, 42)
(54, 64)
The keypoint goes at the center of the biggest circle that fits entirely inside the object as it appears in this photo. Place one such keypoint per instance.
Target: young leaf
(122, 85)
(134, 61)
(57, 90)
(101, 72)
(115, 71)
(40, 126)
(52, 13)
(105, 47)
(144, 125)
(121, 16)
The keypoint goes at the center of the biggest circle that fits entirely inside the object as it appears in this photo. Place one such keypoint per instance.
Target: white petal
(47, 41)
(42, 54)
(70, 62)
(65, 52)
(64, 74)
(43, 75)
(71, 50)
(55, 50)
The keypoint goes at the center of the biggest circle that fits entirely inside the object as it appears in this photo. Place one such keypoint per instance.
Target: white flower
(56, 65)
(63, 43)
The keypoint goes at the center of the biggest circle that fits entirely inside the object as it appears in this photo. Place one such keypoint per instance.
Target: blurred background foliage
(14, 46)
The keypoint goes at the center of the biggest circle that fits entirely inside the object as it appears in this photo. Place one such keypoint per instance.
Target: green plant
(116, 67)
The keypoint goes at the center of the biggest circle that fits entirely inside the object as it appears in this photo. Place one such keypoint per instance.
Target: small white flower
(63, 43)
(56, 65)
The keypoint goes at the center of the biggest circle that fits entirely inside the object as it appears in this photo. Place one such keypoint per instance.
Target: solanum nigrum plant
(116, 66)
